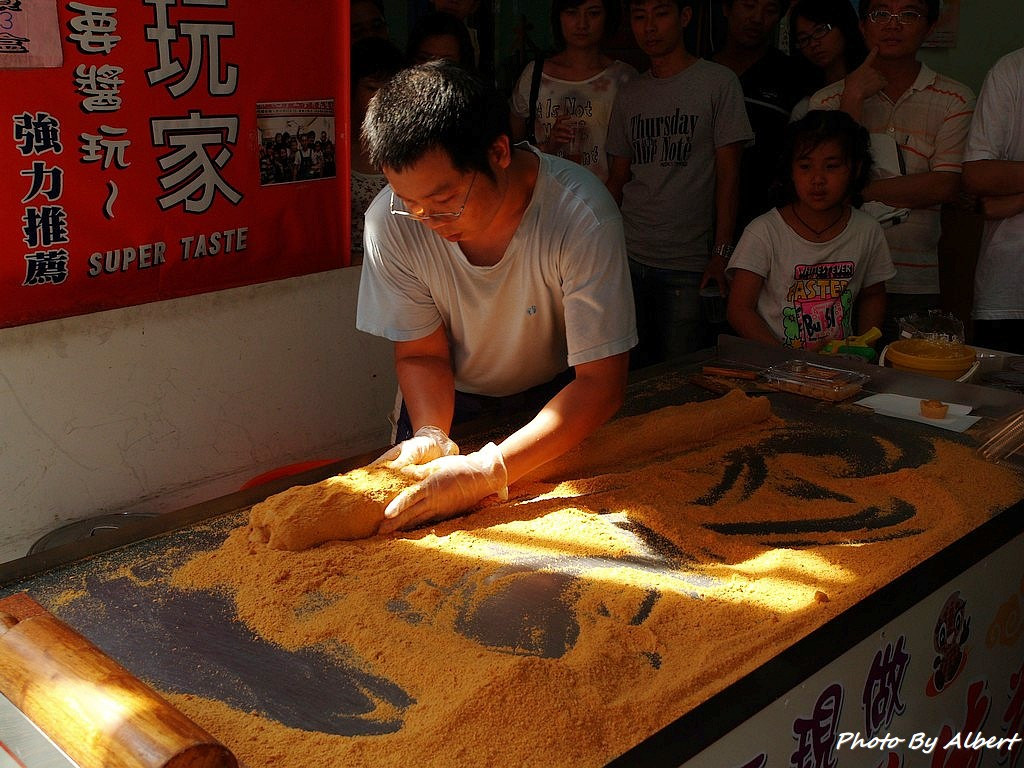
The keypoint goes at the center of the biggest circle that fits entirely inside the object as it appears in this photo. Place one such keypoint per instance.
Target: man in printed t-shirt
(675, 140)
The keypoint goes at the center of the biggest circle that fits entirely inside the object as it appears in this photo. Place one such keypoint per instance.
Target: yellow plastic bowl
(933, 358)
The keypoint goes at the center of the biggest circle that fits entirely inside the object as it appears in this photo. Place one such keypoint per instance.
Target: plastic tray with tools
(818, 381)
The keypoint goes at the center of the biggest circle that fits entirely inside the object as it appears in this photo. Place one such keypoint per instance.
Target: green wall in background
(988, 30)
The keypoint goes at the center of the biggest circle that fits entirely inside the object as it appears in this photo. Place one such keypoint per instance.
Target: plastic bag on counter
(934, 325)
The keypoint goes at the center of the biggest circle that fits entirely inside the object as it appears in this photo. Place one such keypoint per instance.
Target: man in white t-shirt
(994, 170)
(494, 269)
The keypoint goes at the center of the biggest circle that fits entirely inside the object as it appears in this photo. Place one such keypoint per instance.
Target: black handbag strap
(531, 124)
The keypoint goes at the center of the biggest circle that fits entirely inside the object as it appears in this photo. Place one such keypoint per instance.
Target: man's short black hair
(437, 105)
(931, 6)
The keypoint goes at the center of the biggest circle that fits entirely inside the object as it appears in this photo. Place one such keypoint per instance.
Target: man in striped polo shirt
(926, 115)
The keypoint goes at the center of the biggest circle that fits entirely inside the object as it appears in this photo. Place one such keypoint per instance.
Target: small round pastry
(934, 409)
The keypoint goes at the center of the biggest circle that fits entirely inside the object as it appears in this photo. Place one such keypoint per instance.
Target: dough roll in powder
(347, 506)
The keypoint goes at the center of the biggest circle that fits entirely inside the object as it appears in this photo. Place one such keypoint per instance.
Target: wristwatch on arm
(723, 251)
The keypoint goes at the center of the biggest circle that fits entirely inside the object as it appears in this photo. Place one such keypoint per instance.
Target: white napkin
(903, 407)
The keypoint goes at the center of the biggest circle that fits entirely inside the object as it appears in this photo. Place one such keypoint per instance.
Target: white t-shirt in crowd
(559, 297)
(809, 288)
(997, 133)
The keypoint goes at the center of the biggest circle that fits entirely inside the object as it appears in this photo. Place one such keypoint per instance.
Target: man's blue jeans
(668, 316)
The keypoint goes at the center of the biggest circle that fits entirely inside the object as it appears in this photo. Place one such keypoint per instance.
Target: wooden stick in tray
(729, 373)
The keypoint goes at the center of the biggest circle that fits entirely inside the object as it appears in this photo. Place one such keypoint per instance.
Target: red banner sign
(160, 148)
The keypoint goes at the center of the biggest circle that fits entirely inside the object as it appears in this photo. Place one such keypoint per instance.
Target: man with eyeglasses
(500, 275)
(925, 117)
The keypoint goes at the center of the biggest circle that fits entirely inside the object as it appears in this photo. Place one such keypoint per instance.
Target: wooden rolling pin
(93, 708)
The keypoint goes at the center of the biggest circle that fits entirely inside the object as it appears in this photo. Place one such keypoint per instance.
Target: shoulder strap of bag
(531, 125)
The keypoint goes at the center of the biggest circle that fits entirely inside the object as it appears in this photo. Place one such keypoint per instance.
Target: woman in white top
(577, 86)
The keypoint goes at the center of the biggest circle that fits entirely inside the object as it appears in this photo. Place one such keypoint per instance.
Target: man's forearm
(1001, 206)
(750, 325)
(428, 389)
(918, 190)
(727, 192)
(852, 104)
(582, 406)
(618, 175)
(994, 177)
(725, 217)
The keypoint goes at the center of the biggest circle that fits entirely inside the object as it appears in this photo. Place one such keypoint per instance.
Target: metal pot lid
(83, 529)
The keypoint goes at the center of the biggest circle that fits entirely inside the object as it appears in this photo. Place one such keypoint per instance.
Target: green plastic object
(867, 353)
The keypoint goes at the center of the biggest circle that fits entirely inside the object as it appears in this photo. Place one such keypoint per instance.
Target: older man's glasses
(802, 41)
(445, 215)
(902, 17)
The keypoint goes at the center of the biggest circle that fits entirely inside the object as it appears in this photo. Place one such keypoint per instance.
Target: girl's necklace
(817, 232)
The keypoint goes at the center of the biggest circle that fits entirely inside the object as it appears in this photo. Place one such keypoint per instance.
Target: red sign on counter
(167, 147)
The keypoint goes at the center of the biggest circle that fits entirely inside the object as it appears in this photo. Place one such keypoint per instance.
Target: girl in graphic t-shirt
(814, 268)
(577, 86)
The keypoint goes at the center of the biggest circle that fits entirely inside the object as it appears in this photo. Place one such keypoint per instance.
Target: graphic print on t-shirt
(818, 304)
(665, 139)
(581, 149)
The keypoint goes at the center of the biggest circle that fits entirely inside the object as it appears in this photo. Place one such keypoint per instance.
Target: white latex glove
(448, 485)
(427, 444)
